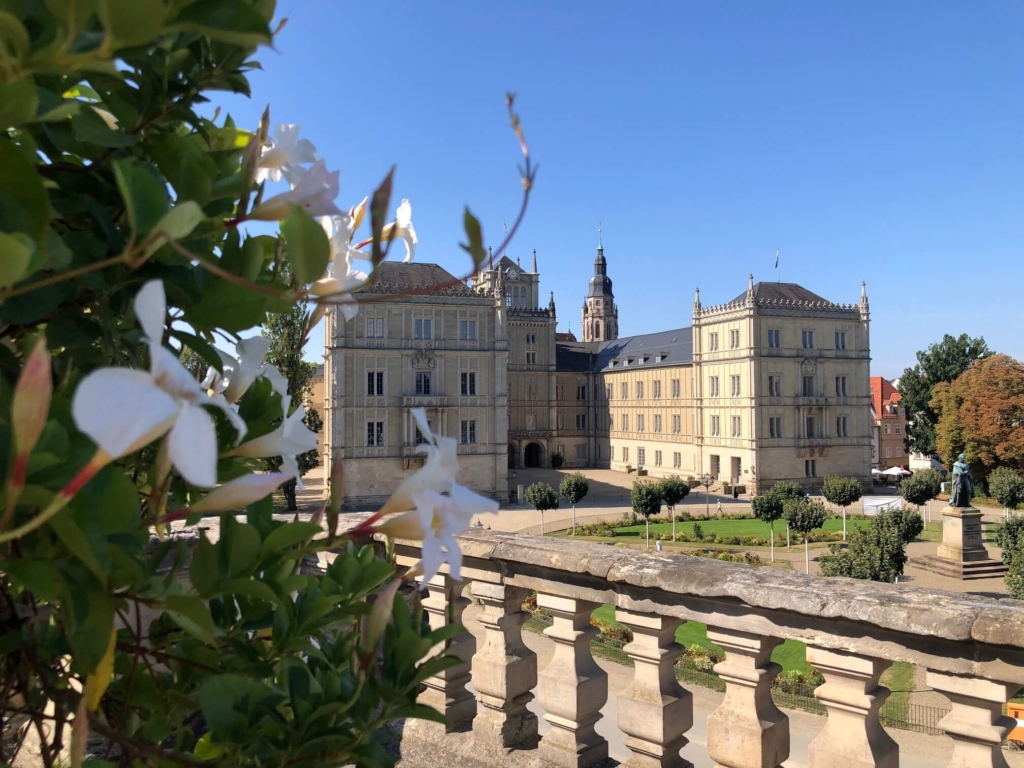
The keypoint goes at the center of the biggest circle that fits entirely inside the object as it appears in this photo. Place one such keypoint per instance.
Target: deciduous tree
(574, 488)
(943, 361)
(921, 487)
(673, 490)
(646, 499)
(981, 414)
(805, 516)
(542, 497)
(1007, 486)
(768, 508)
(841, 491)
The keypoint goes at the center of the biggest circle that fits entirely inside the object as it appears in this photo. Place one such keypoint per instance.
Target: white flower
(240, 492)
(403, 229)
(284, 156)
(123, 409)
(291, 438)
(436, 521)
(314, 193)
(240, 373)
(340, 280)
(437, 473)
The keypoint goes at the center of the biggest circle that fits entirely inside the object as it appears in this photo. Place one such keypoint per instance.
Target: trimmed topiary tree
(574, 488)
(921, 487)
(805, 516)
(841, 491)
(1014, 578)
(542, 497)
(1010, 538)
(768, 508)
(1007, 486)
(909, 523)
(646, 500)
(673, 491)
(875, 553)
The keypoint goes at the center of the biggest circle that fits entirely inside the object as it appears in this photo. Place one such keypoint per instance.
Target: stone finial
(534, 270)
(490, 258)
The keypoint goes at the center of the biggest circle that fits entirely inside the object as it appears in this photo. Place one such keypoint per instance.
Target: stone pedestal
(962, 554)
(961, 535)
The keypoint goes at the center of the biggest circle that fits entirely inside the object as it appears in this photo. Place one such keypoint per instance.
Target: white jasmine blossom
(315, 193)
(284, 156)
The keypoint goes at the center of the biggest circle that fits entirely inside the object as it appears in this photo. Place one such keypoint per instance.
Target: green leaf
(288, 535)
(204, 570)
(379, 204)
(193, 615)
(18, 102)
(91, 621)
(243, 545)
(24, 204)
(475, 239)
(308, 249)
(134, 22)
(60, 254)
(13, 35)
(37, 576)
(200, 347)
(218, 697)
(15, 254)
(74, 538)
(206, 749)
(231, 21)
(176, 224)
(143, 192)
(253, 257)
(90, 128)
(227, 306)
(253, 588)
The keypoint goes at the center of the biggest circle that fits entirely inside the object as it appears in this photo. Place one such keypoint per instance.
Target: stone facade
(773, 385)
(890, 424)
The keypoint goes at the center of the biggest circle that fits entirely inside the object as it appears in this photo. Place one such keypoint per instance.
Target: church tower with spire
(600, 315)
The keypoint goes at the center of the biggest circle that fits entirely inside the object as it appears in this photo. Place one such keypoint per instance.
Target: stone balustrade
(972, 649)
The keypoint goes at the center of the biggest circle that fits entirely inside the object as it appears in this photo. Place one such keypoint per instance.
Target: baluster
(446, 691)
(572, 688)
(504, 669)
(852, 736)
(976, 723)
(654, 711)
(747, 730)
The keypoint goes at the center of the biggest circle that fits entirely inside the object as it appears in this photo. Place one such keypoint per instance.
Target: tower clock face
(513, 273)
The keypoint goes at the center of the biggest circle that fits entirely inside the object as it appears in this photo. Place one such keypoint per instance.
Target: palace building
(772, 385)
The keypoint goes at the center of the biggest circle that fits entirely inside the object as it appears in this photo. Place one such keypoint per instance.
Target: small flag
(776, 258)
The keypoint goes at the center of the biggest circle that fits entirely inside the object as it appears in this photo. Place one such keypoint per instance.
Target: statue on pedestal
(963, 489)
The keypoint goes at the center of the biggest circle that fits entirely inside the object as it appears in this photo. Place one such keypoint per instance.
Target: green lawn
(792, 654)
(728, 527)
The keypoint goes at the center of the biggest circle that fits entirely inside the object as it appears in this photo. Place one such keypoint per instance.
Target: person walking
(720, 513)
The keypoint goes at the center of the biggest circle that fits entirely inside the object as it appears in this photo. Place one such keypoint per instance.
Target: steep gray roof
(783, 291)
(394, 277)
(673, 347)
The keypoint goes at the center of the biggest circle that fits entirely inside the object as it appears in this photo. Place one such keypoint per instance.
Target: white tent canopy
(874, 505)
(897, 472)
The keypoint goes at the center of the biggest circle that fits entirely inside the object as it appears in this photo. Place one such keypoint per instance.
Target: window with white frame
(639, 422)
(608, 392)
(468, 383)
(716, 427)
(712, 342)
(734, 386)
(422, 328)
(775, 386)
(807, 338)
(896, 428)
(677, 460)
(625, 453)
(675, 387)
(657, 458)
(468, 431)
(560, 421)
(374, 433)
(375, 327)
(841, 426)
(899, 452)
(714, 386)
(374, 383)
(624, 390)
(422, 383)
(641, 457)
(625, 422)
(657, 422)
(840, 339)
(811, 425)
(656, 389)
(531, 358)
(737, 426)
(888, 452)
(775, 426)
(677, 423)
(808, 386)
(734, 339)
(581, 421)
(774, 338)
(840, 386)
(639, 390)
(581, 393)
(810, 468)
(467, 330)
(887, 429)
(611, 453)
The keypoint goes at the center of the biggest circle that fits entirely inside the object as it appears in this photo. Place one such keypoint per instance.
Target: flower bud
(407, 525)
(380, 614)
(240, 492)
(31, 402)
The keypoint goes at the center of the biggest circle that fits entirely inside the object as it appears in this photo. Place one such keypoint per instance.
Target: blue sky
(870, 141)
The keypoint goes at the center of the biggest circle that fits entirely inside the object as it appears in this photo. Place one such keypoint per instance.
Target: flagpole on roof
(778, 270)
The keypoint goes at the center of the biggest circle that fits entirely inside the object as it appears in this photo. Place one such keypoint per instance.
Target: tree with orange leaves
(981, 414)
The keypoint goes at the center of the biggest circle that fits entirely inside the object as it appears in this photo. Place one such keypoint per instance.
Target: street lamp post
(706, 481)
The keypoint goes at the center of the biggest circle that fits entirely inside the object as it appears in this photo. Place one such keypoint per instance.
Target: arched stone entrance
(534, 455)
(512, 456)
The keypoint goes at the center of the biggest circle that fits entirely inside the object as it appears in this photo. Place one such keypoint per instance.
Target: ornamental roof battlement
(414, 281)
(789, 296)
